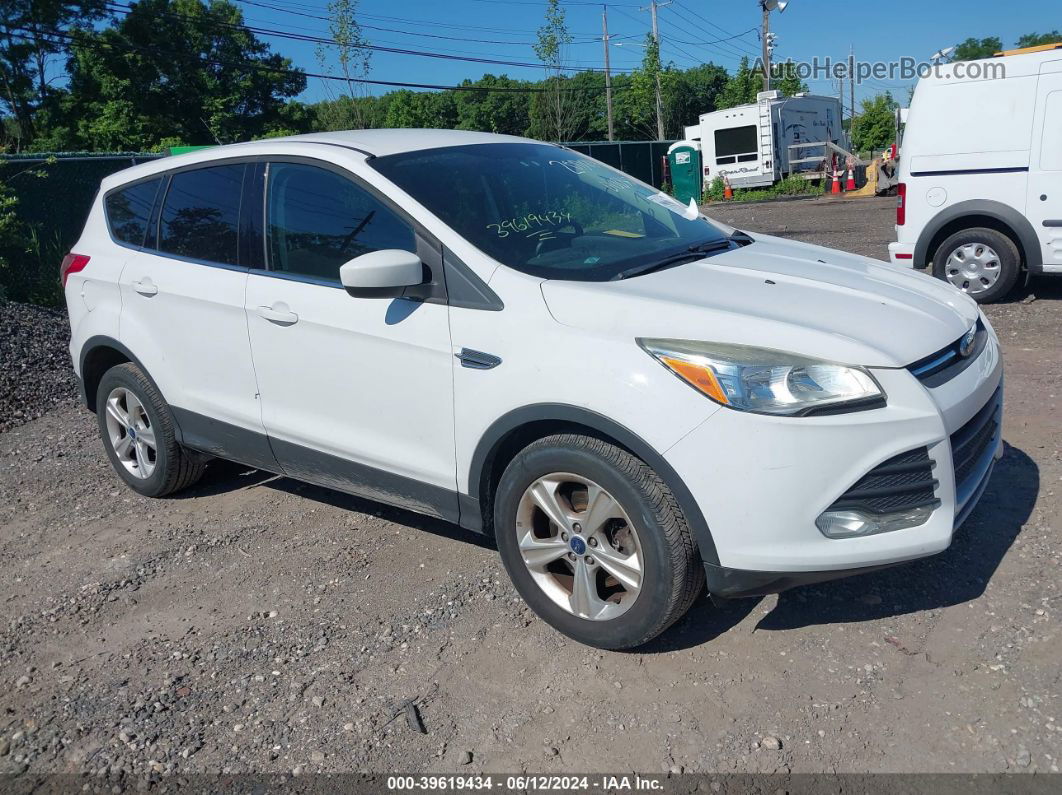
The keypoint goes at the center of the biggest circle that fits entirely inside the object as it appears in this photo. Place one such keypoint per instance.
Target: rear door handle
(146, 287)
(279, 314)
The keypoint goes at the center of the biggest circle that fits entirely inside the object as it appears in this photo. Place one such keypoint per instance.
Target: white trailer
(759, 143)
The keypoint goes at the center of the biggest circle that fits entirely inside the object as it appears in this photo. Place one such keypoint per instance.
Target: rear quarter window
(129, 209)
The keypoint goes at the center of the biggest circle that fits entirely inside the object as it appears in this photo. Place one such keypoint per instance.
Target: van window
(736, 145)
(1051, 150)
(201, 214)
(318, 219)
(128, 211)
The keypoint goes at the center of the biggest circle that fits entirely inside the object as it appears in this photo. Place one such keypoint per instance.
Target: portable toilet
(684, 160)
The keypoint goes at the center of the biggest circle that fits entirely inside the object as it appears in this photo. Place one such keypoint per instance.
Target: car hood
(779, 294)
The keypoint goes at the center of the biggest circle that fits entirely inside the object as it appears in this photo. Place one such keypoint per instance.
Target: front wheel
(595, 542)
(983, 263)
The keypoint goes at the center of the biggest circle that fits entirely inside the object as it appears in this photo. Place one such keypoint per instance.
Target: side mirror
(389, 273)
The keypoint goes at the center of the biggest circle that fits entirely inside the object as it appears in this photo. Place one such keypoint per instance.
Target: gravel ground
(258, 624)
(35, 374)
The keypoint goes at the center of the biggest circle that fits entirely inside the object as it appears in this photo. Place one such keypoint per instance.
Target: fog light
(855, 524)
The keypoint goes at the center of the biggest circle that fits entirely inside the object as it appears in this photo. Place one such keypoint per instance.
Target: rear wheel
(138, 433)
(983, 263)
(595, 542)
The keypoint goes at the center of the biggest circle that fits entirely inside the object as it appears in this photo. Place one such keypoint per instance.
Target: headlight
(767, 381)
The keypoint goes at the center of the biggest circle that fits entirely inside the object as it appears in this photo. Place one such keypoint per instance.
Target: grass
(790, 186)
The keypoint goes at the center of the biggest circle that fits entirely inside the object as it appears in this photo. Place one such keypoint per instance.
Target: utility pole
(851, 81)
(608, 73)
(659, 103)
(765, 40)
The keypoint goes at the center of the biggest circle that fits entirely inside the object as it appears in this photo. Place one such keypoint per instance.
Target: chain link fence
(53, 193)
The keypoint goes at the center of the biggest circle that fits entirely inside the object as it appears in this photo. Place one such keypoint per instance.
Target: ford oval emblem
(966, 344)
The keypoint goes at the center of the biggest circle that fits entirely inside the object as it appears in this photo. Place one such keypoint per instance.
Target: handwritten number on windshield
(534, 221)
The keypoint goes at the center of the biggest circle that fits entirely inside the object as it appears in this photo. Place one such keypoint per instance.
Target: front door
(1045, 177)
(357, 393)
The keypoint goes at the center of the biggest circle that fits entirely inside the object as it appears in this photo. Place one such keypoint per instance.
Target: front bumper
(761, 481)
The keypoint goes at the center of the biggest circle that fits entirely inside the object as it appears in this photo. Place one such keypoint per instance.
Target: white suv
(629, 397)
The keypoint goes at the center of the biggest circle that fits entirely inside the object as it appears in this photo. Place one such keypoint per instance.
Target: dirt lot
(257, 624)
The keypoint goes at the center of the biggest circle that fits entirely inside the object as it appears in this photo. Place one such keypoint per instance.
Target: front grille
(943, 365)
(971, 447)
(903, 482)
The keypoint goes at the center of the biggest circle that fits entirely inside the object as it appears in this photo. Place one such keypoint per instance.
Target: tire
(980, 248)
(153, 472)
(646, 525)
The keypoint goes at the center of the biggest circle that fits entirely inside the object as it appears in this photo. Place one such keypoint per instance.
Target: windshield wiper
(694, 252)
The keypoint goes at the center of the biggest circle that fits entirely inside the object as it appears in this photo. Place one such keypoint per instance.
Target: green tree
(972, 49)
(176, 68)
(696, 91)
(742, 86)
(349, 113)
(635, 97)
(422, 109)
(875, 126)
(1039, 39)
(784, 78)
(552, 110)
(506, 111)
(32, 34)
(354, 58)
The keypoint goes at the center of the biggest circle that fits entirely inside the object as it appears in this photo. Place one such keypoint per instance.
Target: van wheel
(983, 263)
(137, 430)
(595, 542)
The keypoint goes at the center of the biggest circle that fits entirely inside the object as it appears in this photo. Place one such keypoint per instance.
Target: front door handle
(146, 287)
(279, 314)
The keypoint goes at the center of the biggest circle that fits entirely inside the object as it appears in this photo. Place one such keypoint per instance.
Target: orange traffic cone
(836, 187)
(850, 182)
(728, 192)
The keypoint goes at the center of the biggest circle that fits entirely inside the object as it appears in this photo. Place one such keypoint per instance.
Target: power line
(126, 10)
(367, 26)
(402, 20)
(299, 72)
(741, 51)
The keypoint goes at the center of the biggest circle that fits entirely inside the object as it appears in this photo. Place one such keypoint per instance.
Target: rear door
(357, 393)
(1045, 177)
(183, 311)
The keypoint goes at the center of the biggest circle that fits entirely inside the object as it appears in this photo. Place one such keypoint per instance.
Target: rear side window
(201, 214)
(128, 211)
(318, 220)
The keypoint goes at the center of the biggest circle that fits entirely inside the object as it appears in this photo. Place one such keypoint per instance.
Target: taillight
(72, 263)
(901, 203)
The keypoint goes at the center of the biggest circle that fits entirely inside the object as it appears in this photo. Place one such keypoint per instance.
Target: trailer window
(736, 145)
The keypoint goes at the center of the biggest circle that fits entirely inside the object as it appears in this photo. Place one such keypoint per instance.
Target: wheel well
(971, 222)
(507, 448)
(97, 362)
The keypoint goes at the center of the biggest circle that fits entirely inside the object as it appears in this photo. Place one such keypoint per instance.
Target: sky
(693, 32)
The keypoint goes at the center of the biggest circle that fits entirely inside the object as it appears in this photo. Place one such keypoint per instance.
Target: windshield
(551, 212)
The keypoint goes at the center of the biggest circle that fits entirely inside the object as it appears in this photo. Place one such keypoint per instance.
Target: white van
(980, 194)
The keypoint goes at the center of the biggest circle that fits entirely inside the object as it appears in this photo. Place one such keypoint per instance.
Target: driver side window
(318, 219)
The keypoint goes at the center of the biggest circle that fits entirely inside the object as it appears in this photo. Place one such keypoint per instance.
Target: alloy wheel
(579, 546)
(130, 433)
